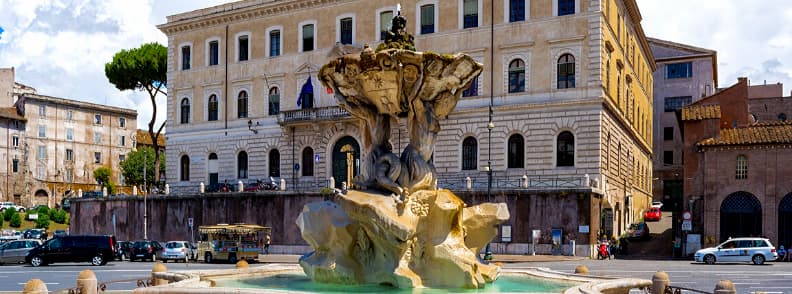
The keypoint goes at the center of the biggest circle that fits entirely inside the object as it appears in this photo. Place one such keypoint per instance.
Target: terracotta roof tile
(10, 113)
(699, 112)
(143, 138)
(763, 133)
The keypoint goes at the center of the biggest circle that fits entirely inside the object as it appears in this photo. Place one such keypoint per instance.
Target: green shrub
(16, 221)
(43, 222)
(9, 213)
(43, 210)
(60, 217)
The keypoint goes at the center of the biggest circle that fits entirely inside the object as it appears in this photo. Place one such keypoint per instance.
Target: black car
(145, 249)
(123, 250)
(96, 249)
(92, 194)
(35, 234)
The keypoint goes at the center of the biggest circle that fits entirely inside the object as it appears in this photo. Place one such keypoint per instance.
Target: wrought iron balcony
(310, 115)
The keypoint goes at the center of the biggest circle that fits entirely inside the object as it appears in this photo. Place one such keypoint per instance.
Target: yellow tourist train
(232, 242)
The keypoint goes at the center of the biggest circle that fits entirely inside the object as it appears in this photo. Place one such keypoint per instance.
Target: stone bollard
(240, 186)
(525, 181)
(581, 270)
(79, 193)
(159, 267)
(725, 287)
(242, 264)
(134, 190)
(201, 188)
(468, 183)
(659, 282)
(104, 192)
(332, 183)
(86, 282)
(167, 189)
(35, 286)
(283, 185)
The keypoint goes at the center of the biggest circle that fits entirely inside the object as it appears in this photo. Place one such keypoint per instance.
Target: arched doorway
(346, 160)
(41, 197)
(785, 221)
(213, 170)
(740, 216)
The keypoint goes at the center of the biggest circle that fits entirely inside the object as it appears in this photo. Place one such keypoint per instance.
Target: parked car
(145, 249)
(639, 231)
(7, 205)
(60, 233)
(219, 187)
(36, 207)
(179, 251)
(123, 250)
(35, 234)
(653, 214)
(756, 250)
(10, 235)
(76, 248)
(92, 194)
(15, 251)
(658, 204)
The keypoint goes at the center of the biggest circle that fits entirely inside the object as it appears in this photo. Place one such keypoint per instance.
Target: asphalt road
(772, 277)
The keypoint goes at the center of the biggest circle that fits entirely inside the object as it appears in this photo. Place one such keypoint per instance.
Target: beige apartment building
(570, 81)
(51, 145)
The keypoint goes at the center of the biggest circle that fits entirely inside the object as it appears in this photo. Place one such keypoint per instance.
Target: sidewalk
(286, 258)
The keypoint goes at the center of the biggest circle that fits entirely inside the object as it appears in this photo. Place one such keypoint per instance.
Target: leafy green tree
(143, 69)
(16, 221)
(102, 176)
(43, 222)
(9, 212)
(132, 166)
(59, 217)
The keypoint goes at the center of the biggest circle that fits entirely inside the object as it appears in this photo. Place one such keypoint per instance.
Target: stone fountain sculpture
(399, 229)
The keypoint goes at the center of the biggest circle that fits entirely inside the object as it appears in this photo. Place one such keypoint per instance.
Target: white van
(756, 250)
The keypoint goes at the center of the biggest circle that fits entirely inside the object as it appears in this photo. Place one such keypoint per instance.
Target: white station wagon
(756, 250)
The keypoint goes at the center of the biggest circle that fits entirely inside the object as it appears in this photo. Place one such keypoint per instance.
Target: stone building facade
(52, 145)
(738, 172)
(570, 82)
(684, 75)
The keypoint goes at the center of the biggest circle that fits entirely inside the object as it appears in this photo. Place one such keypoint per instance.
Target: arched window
(517, 76)
(566, 149)
(782, 116)
(213, 108)
(469, 153)
(566, 71)
(274, 101)
(742, 167)
(185, 111)
(184, 172)
(307, 162)
(242, 165)
(274, 163)
(242, 105)
(516, 151)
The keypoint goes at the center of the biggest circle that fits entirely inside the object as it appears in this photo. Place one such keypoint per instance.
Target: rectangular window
(69, 155)
(668, 133)
(15, 166)
(97, 138)
(42, 153)
(274, 103)
(516, 10)
(121, 157)
(15, 141)
(185, 51)
(275, 41)
(742, 167)
(97, 157)
(470, 8)
(385, 23)
(346, 30)
(97, 119)
(668, 157)
(472, 90)
(308, 37)
(41, 172)
(566, 7)
(214, 52)
(679, 70)
(427, 19)
(122, 122)
(42, 131)
(69, 115)
(42, 111)
(122, 140)
(243, 48)
(69, 134)
(675, 103)
(69, 175)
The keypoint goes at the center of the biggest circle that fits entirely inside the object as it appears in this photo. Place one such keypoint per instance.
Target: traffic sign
(687, 225)
(687, 216)
(190, 222)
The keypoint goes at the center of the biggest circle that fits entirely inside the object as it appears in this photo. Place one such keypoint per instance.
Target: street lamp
(145, 192)
(490, 124)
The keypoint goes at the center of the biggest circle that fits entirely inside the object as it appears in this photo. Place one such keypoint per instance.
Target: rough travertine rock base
(429, 239)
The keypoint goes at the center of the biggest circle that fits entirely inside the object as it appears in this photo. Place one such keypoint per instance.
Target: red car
(653, 214)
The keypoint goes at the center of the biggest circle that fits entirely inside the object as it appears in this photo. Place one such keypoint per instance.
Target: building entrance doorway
(213, 173)
(741, 216)
(346, 161)
(41, 197)
(785, 221)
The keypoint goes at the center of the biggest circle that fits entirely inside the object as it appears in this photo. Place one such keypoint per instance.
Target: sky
(60, 47)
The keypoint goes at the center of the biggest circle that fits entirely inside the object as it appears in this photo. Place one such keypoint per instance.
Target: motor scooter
(602, 251)
(271, 185)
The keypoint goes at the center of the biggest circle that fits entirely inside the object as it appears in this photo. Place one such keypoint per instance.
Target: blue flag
(307, 88)
(1, 33)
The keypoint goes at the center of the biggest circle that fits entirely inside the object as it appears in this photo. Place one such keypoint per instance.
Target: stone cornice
(236, 12)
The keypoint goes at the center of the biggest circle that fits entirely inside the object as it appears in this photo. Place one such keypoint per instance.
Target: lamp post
(490, 124)
(145, 192)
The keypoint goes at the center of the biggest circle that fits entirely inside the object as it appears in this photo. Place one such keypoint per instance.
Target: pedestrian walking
(267, 244)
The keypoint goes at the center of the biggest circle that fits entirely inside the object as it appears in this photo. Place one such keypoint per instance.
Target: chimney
(742, 80)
